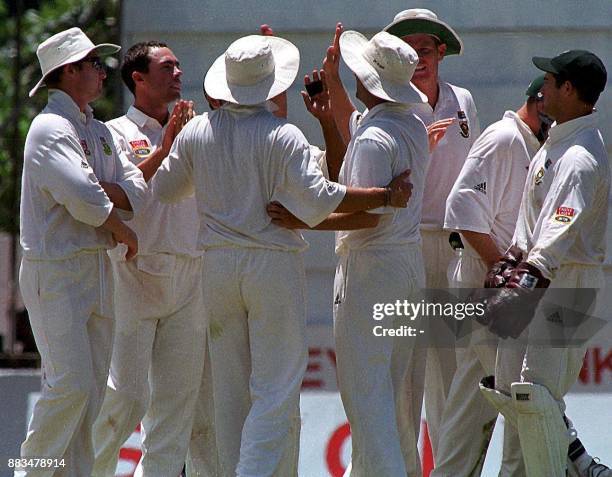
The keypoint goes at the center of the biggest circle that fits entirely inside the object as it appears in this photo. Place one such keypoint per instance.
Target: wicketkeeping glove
(511, 310)
(501, 270)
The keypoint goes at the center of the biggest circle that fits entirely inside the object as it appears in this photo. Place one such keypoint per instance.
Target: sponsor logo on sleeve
(564, 214)
(106, 147)
(141, 147)
(85, 147)
(482, 187)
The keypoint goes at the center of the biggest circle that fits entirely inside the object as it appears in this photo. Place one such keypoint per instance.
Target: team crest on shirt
(141, 147)
(539, 176)
(564, 214)
(106, 147)
(85, 147)
(464, 127)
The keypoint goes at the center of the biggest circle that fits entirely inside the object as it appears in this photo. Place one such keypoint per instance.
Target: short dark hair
(585, 90)
(53, 79)
(137, 59)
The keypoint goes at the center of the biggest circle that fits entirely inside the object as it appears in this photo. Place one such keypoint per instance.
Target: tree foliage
(39, 19)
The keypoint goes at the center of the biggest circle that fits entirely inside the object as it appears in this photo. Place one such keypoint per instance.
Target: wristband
(387, 196)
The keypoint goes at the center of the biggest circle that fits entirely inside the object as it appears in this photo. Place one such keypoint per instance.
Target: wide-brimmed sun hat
(421, 20)
(253, 69)
(384, 65)
(68, 46)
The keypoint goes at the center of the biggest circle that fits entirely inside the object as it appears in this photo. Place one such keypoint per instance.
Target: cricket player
(559, 242)
(380, 258)
(159, 342)
(433, 40)
(74, 183)
(483, 206)
(238, 159)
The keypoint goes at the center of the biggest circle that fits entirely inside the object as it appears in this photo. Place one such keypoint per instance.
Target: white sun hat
(253, 69)
(384, 65)
(68, 46)
(421, 20)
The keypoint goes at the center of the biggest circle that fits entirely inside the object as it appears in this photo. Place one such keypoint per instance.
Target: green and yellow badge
(106, 147)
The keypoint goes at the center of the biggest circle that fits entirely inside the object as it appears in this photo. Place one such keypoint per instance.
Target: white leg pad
(500, 401)
(543, 434)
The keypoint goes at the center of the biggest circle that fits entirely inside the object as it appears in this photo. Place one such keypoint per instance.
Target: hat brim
(544, 64)
(104, 49)
(286, 66)
(437, 28)
(352, 45)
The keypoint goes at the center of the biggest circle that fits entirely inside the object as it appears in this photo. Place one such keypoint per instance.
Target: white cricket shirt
(487, 194)
(564, 210)
(161, 228)
(67, 153)
(386, 141)
(238, 159)
(449, 155)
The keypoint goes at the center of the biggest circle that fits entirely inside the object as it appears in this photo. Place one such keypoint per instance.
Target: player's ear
(441, 51)
(137, 77)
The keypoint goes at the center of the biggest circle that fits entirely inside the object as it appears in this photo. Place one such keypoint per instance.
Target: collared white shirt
(67, 153)
(161, 228)
(564, 210)
(449, 155)
(238, 159)
(386, 141)
(487, 194)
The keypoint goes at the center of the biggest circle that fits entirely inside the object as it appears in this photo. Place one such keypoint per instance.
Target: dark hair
(53, 79)
(585, 90)
(137, 59)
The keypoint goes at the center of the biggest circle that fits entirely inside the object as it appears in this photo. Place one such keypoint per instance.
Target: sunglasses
(95, 61)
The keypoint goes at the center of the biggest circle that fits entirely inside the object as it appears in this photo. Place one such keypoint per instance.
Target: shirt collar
(141, 119)
(63, 101)
(245, 109)
(387, 106)
(525, 130)
(558, 132)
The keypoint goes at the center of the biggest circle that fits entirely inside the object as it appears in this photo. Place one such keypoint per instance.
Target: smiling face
(163, 78)
(430, 54)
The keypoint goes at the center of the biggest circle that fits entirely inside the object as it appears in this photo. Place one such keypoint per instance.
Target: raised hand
(266, 30)
(319, 105)
(437, 130)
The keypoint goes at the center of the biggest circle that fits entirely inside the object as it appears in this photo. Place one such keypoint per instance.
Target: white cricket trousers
(468, 418)
(373, 371)
(69, 303)
(157, 362)
(255, 304)
(441, 362)
(556, 368)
